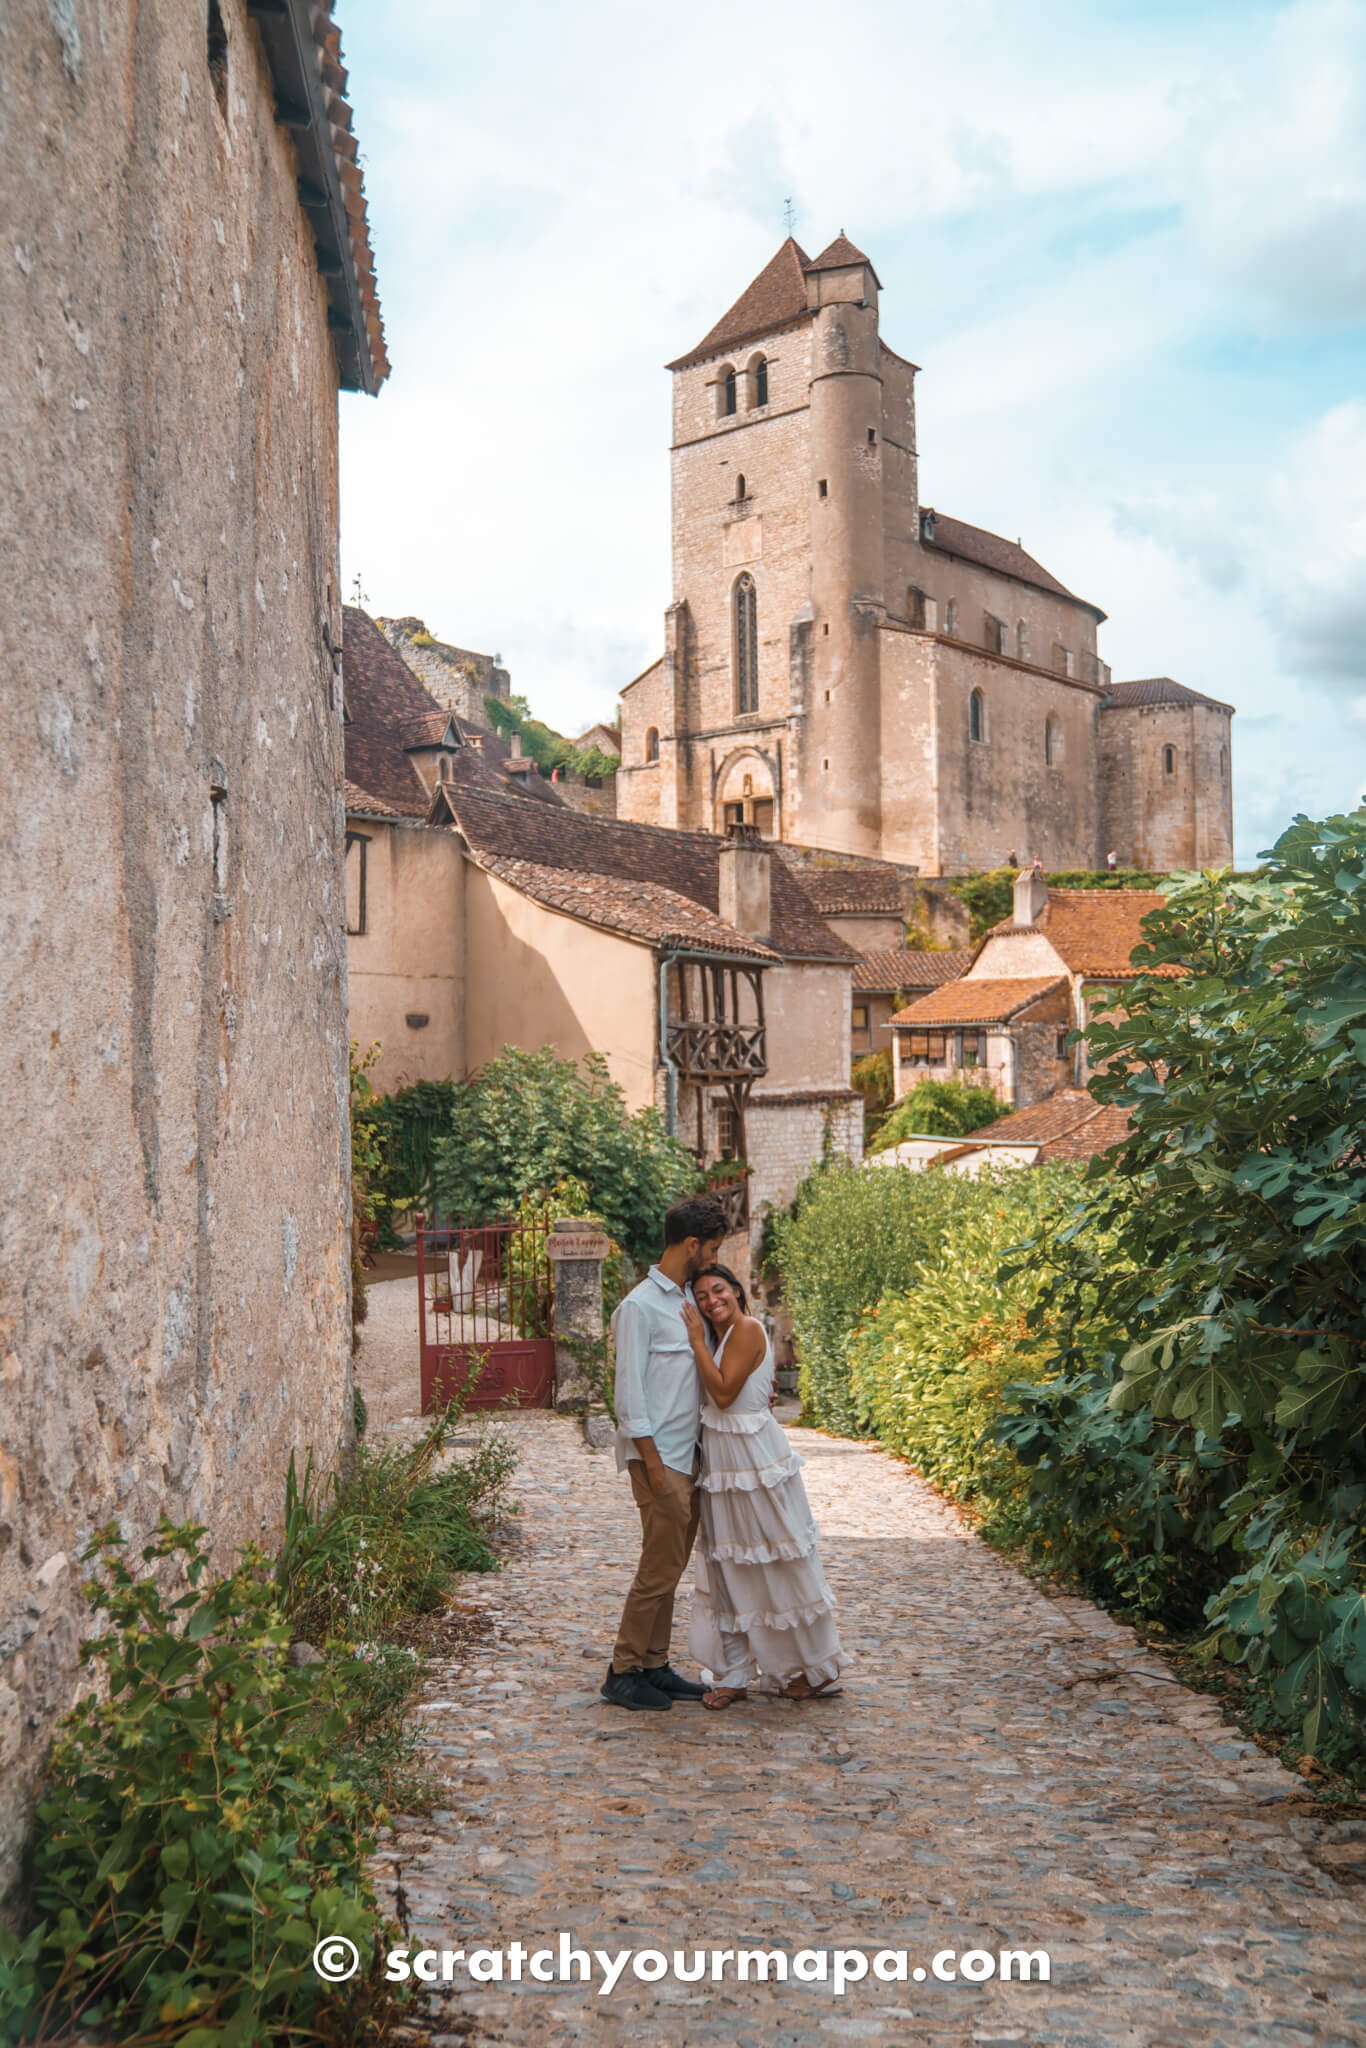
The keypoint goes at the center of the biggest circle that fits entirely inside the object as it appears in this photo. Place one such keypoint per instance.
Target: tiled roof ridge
(1003, 556)
(991, 999)
(775, 299)
(711, 933)
(1139, 691)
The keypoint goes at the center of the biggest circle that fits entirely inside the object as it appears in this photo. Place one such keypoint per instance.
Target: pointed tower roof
(777, 298)
(840, 255)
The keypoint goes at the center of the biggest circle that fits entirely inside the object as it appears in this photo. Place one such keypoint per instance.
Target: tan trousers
(668, 1526)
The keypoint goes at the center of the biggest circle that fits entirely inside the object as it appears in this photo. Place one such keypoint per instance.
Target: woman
(761, 1607)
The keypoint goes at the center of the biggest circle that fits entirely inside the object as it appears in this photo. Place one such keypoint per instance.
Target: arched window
(951, 618)
(746, 645)
(1169, 760)
(758, 381)
(1223, 764)
(652, 744)
(977, 716)
(725, 392)
(740, 488)
(915, 606)
(1052, 740)
(1021, 641)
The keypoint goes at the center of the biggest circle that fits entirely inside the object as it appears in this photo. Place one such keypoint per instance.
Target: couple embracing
(708, 1463)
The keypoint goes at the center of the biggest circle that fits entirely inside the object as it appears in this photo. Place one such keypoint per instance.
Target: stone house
(1068, 1128)
(847, 668)
(485, 914)
(606, 739)
(1042, 973)
(189, 283)
(881, 983)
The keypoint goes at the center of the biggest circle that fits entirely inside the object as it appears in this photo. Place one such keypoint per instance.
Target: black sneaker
(665, 1679)
(633, 1689)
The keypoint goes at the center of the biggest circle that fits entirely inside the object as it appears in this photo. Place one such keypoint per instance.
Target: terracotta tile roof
(360, 800)
(660, 869)
(777, 298)
(1094, 931)
(851, 892)
(982, 1002)
(643, 910)
(992, 551)
(840, 254)
(303, 50)
(388, 712)
(1067, 1125)
(885, 973)
(1156, 690)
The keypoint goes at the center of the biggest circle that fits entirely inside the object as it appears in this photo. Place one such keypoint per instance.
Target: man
(659, 1401)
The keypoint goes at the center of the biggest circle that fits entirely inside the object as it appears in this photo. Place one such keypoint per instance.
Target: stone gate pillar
(577, 1249)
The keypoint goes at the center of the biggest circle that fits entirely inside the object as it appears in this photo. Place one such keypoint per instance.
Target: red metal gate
(485, 1297)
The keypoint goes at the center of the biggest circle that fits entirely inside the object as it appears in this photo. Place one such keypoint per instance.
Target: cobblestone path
(1005, 1771)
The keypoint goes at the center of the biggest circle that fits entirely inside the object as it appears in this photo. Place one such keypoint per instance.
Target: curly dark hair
(719, 1272)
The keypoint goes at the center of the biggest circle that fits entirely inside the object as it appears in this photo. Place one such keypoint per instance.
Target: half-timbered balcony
(718, 1051)
(733, 1196)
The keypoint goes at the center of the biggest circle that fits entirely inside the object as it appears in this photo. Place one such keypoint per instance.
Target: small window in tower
(652, 744)
(950, 618)
(977, 716)
(1021, 641)
(758, 382)
(740, 488)
(1062, 659)
(1169, 760)
(746, 650)
(872, 437)
(218, 57)
(993, 633)
(728, 392)
(823, 489)
(1052, 740)
(1223, 764)
(915, 607)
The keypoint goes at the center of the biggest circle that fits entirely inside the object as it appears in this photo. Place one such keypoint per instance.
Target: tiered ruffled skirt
(761, 1607)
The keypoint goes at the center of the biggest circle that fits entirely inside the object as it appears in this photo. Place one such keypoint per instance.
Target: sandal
(826, 1690)
(722, 1696)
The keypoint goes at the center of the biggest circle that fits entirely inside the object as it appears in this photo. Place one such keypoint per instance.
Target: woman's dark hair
(699, 1216)
(715, 1272)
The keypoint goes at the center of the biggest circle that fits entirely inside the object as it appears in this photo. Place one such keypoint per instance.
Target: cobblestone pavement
(1005, 1771)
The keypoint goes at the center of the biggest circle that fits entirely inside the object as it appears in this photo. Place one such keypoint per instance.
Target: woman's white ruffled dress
(761, 1608)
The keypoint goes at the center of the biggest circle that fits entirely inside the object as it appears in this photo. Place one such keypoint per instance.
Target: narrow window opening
(652, 744)
(950, 618)
(977, 716)
(355, 884)
(740, 488)
(1169, 760)
(872, 436)
(993, 633)
(1021, 641)
(218, 56)
(825, 629)
(746, 645)
(758, 381)
(1052, 740)
(915, 607)
(823, 488)
(728, 393)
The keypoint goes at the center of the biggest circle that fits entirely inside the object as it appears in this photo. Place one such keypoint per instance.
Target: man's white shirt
(658, 1390)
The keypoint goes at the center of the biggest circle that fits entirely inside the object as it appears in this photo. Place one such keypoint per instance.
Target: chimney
(745, 881)
(1031, 894)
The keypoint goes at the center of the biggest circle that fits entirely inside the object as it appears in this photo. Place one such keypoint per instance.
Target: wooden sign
(578, 1244)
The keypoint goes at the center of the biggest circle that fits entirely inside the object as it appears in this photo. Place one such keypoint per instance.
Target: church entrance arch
(746, 792)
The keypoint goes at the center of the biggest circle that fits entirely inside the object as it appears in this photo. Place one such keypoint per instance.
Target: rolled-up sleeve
(630, 1326)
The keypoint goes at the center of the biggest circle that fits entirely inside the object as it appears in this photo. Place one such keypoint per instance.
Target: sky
(1124, 239)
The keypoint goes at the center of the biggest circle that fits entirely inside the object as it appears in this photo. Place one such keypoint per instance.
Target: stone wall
(457, 677)
(787, 1136)
(1160, 816)
(173, 1247)
(407, 969)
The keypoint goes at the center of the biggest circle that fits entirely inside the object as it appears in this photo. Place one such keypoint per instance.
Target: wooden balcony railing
(719, 1052)
(733, 1195)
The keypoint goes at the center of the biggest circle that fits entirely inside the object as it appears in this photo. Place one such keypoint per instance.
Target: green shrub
(939, 1109)
(928, 1364)
(406, 1125)
(389, 1538)
(853, 1235)
(532, 1119)
(1213, 1295)
(199, 1830)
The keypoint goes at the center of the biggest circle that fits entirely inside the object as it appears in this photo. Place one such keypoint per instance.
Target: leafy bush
(198, 1833)
(928, 1364)
(388, 1539)
(852, 1236)
(367, 1204)
(1210, 1304)
(530, 1119)
(939, 1109)
(406, 1125)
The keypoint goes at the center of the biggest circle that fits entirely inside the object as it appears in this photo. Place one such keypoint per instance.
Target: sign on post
(578, 1244)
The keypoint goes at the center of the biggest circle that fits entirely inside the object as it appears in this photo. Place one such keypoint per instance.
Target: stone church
(850, 670)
